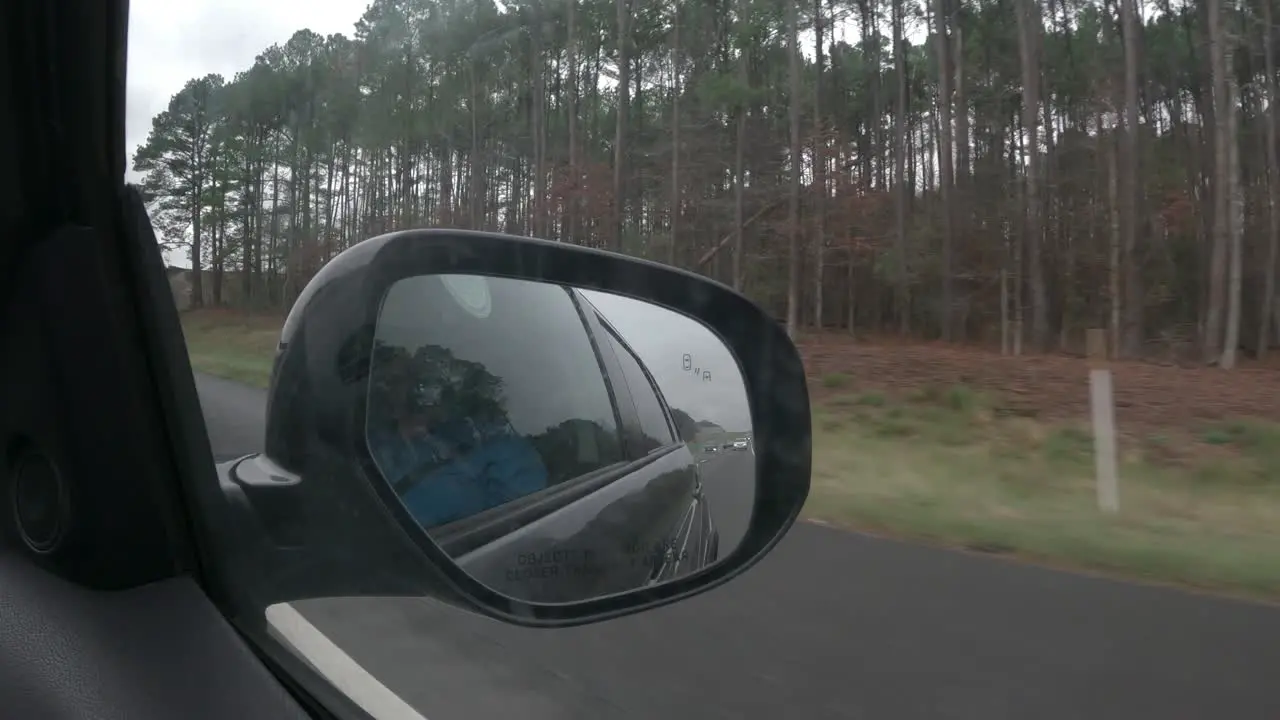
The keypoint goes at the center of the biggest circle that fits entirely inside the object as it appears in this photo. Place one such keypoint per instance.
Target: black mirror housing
(326, 527)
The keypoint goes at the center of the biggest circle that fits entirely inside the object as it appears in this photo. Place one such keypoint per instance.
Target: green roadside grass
(1200, 506)
(232, 345)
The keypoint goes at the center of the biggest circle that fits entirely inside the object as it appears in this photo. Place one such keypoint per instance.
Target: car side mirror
(543, 433)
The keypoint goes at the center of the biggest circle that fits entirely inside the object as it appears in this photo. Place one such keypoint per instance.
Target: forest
(1002, 172)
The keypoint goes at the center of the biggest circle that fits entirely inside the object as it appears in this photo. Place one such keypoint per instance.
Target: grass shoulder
(230, 344)
(1199, 506)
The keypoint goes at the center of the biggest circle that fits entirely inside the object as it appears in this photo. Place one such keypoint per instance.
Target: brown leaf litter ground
(1048, 387)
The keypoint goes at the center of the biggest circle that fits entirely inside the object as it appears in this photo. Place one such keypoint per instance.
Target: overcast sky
(173, 42)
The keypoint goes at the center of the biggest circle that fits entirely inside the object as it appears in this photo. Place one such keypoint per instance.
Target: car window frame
(473, 532)
(615, 377)
(673, 433)
(624, 411)
(602, 325)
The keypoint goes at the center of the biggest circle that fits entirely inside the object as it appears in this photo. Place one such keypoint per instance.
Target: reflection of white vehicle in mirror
(740, 444)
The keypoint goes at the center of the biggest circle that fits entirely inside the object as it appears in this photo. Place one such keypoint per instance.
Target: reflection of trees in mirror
(646, 443)
(691, 429)
(572, 448)
(436, 380)
(439, 432)
(466, 442)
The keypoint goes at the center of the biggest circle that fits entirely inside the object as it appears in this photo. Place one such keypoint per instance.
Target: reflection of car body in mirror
(582, 508)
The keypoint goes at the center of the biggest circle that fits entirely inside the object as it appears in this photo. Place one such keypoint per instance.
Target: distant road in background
(728, 482)
(831, 625)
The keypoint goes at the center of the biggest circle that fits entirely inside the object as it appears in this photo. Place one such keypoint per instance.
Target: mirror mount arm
(289, 557)
(274, 494)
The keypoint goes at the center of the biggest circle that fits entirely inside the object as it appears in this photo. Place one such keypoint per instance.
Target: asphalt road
(728, 482)
(830, 625)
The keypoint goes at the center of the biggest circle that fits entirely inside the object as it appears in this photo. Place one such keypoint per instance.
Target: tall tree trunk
(739, 175)
(537, 67)
(1114, 239)
(945, 74)
(819, 173)
(1235, 195)
(904, 189)
(963, 191)
(620, 133)
(1134, 293)
(879, 167)
(962, 109)
(572, 41)
(793, 210)
(675, 133)
(1221, 226)
(1017, 150)
(476, 177)
(1273, 182)
(1029, 29)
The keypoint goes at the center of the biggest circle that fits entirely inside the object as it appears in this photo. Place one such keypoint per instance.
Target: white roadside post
(1102, 406)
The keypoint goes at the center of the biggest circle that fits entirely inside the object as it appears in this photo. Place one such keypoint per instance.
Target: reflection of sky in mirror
(662, 338)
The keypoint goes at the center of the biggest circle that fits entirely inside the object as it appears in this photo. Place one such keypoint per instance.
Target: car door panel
(608, 541)
(162, 650)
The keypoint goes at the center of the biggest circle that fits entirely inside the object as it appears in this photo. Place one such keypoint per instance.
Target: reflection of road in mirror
(728, 482)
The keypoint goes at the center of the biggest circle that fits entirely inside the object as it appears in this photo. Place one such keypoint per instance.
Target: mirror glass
(559, 443)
